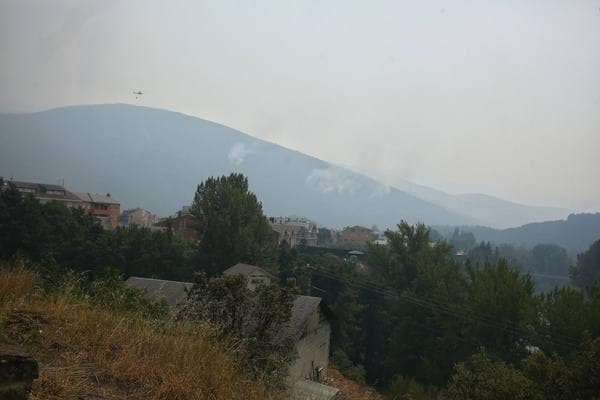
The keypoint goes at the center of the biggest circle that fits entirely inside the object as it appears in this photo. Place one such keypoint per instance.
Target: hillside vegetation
(575, 233)
(417, 324)
(88, 350)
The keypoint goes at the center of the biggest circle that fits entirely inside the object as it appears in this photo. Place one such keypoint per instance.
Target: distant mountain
(575, 234)
(155, 159)
(489, 210)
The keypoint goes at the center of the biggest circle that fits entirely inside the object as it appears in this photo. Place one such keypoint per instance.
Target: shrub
(111, 292)
(403, 388)
(482, 378)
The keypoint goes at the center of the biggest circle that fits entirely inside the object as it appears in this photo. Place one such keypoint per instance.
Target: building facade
(137, 216)
(183, 223)
(357, 235)
(294, 231)
(45, 193)
(105, 208)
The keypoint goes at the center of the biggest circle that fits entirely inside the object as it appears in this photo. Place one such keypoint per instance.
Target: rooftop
(172, 292)
(302, 308)
(90, 197)
(44, 190)
(246, 270)
(134, 210)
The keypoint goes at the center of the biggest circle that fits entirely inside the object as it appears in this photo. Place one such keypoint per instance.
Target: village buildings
(358, 235)
(294, 231)
(102, 206)
(105, 208)
(46, 193)
(137, 216)
(182, 223)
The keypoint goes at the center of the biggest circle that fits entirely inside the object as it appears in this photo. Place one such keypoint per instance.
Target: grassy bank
(84, 350)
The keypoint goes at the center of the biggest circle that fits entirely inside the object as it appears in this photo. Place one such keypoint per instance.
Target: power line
(560, 277)
(443, 307)
(507, 326)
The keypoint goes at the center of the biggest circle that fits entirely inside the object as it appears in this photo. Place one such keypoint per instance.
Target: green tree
(405, 388)
(231, 225)
(482, 253)
(550, 259)
(462, 240)
(503, 308)
(415, 332)
(68, 237)
(566, 316)
(482, 378)
(110, 291)
(565, 378)
(258, 316)
(324, 237)
(288, 262)
(587, 269)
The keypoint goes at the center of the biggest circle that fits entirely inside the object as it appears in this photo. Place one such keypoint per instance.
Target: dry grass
(84, 351)
(16, 283)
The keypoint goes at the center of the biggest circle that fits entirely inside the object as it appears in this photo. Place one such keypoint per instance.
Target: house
(357, 235)
(172, 292)
(105, 208)
(294, 231)
(254, 275)
(182, 223)
(309, 328)
(137, 216)
(46, 193)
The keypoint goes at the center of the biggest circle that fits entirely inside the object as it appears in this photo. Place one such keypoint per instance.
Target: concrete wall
(313, 352)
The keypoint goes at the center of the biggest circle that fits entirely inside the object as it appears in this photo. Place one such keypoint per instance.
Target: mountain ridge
(105, 141)
(123, 148)
(575, 233)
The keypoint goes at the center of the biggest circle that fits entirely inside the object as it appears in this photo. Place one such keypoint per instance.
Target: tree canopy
(231, 225)
(53, 234)
(587, 269)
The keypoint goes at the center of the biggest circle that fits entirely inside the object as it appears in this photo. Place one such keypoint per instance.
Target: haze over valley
(308, 200)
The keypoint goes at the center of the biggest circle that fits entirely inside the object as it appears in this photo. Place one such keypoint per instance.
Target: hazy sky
(500, 97)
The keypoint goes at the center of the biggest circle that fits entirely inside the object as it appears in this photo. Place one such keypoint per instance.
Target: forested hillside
(575, 233)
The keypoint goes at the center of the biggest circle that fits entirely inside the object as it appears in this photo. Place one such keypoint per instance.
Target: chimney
(107, 194)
